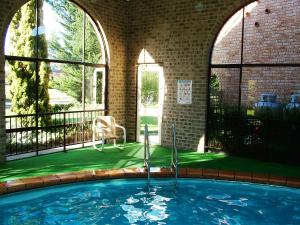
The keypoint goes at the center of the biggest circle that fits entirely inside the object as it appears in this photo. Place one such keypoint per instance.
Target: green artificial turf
(89, 158)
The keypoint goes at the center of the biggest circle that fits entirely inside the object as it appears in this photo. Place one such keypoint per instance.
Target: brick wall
(178, 33)
(274, 39)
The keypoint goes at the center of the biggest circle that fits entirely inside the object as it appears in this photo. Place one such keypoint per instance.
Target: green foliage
(150, 88)
(99, 83)
(149, 120)
(214, 83)
(69, 46)
(62, 107)
(152, 122)
(70, 81)
(22, 75)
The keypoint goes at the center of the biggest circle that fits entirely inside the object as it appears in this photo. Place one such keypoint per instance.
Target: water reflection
(146, 206)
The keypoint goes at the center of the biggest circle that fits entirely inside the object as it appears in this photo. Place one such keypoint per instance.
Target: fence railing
(37, 132)
(266, 139)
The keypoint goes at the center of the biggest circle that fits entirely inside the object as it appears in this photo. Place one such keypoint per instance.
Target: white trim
(154, 68)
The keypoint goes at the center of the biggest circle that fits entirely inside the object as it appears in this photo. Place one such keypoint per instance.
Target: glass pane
(272, 36)
(94, 88)
(150, 88)
(21, 34)
(270, 92)
(65, 87)
(149, 109)
(63, 22)
(93, 52)
(223, 116)
(227, 48)
(225, 84)
(270, 103)
(8, 83)
(20, 83)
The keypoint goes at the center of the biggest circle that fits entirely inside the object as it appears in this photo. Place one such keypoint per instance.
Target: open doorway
(150, 101)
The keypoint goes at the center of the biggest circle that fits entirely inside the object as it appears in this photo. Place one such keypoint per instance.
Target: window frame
(239, 66)
(104, 66)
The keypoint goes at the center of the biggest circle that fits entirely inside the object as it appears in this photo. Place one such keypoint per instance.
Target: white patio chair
(106, 128)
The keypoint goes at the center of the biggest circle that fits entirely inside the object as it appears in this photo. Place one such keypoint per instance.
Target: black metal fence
(264, 139)
(36, 132)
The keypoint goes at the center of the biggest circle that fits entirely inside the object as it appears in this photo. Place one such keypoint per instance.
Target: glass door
(150, 101)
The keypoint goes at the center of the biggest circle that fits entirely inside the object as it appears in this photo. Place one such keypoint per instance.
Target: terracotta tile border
(90, 175)
(292, 182)
(277, 180)
(210, 173)
(135, 172)
(226, 175)
(50, 180)
(192, 172)
(243, 176)
(162, 172)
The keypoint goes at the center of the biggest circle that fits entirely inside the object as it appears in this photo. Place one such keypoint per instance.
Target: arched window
(56, 68)
(255, 82)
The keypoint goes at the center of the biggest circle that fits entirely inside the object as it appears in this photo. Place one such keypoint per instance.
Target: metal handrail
(147, 153)
(56, 113)
(61, 129)
(174, 157)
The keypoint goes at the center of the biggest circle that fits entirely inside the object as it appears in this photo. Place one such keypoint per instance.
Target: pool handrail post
(174, 157)
(147, 152)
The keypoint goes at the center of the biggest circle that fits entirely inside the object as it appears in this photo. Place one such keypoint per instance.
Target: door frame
(155, 68)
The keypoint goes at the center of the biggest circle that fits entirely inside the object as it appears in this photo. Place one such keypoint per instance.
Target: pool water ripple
(131, 202)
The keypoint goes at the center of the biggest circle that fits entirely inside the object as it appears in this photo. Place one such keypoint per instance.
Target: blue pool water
(131, 202)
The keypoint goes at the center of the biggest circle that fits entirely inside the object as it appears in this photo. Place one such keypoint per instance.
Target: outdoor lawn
(152, 122)
(112, 158)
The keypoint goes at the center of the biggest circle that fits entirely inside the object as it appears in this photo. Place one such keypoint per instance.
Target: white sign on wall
(184, 91)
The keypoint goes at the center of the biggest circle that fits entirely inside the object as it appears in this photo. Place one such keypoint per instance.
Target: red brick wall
(276, 39)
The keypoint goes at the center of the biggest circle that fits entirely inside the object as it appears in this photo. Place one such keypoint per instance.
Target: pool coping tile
(3, 188)
(67, 177)
(116, 173)
(50, 180)
(210, 173)
(260, 178)
(293, 182)
(34, 182)
(86, 175)
(43, 181)
(226, 175)
(195, 172)
(135, 172)
(277, 180)
(101, 174)
(163, 172)
(243, 176)
(182, 172)
(15, 185)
